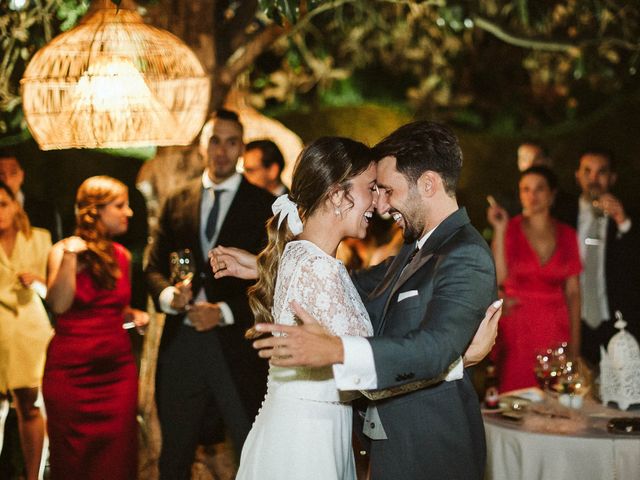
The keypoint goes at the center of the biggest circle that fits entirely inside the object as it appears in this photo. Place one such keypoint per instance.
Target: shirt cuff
(165, 298)
(226, 314)
(625, 226)
(40, 288)
(358, 371)
(457, 372)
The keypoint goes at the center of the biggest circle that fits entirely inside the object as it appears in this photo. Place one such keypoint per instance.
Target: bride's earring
(337, 212)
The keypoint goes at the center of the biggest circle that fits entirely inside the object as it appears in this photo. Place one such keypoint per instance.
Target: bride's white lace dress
(303, 430)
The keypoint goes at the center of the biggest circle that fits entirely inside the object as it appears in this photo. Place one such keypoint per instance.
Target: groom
(425, 305)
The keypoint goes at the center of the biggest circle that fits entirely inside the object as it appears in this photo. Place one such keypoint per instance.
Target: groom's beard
(413, 218)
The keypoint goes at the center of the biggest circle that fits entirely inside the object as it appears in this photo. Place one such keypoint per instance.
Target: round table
(517, 453)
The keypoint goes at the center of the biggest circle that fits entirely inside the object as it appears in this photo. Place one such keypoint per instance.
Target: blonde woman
(24, 326)
(90, 382)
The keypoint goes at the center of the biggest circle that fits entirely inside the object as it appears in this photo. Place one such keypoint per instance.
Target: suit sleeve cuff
(358, 371)
(227, 314)
(165, 298)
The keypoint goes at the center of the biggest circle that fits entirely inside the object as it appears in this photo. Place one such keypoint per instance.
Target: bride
(304, 426)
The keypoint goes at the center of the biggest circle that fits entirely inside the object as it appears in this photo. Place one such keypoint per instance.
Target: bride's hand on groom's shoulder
(485, 337)
(305, 345)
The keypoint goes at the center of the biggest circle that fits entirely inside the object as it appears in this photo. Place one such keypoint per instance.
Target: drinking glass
(574, 384)
(182, 266)
(596, 208)
(550, 366)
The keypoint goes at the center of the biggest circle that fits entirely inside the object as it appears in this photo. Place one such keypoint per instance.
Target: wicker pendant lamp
(114, 82)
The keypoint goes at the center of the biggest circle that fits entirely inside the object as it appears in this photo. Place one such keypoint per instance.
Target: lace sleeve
(322, 287)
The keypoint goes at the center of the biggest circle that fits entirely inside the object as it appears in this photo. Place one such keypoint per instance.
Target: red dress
(90, 384)
(540, 318)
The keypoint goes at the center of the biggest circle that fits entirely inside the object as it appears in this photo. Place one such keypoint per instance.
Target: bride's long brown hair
(99, 258)
(326, 164)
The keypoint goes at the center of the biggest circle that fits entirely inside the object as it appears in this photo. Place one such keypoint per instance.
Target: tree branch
(617, 42)
(235, 28)
(246, 55)
(549, 46)
(523, 42)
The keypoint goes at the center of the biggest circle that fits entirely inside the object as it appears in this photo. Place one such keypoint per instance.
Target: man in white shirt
(425, 306)
(206, 370)
(608, 243)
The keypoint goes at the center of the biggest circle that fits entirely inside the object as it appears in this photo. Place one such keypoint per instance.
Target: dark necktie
(212, 219)
(413, 254)
(392, 274)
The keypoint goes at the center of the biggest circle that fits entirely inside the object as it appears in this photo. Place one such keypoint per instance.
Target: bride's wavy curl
(325, 165)
(99, 258)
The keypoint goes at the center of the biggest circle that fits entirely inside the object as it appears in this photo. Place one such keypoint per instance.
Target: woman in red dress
(537, 265)
(90, 383)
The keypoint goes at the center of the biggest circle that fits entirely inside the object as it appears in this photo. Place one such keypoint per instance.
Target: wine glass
(182, 266)
(594, 196)
(574, 384)
(550, 365)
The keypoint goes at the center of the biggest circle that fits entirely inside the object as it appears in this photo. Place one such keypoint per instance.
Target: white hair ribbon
(289, 210)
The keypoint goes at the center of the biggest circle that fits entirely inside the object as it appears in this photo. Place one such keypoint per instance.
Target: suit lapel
(392, 272)
(191, 213)
(440, 236)
(420, 259)
(229, 226)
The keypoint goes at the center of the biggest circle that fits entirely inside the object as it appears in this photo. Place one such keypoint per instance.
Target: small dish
(514, 402)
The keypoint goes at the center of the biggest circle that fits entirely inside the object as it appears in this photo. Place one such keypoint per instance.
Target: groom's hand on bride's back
(305, 345)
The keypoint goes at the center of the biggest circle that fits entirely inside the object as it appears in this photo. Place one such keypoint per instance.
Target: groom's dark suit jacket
(243, 227)
(435, 432)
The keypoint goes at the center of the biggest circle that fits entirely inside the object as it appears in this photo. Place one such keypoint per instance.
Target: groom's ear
(427, 183)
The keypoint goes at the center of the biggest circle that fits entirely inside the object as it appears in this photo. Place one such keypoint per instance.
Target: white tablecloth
(516, 454)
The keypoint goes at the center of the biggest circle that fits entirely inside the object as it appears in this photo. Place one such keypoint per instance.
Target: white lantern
(620, 368)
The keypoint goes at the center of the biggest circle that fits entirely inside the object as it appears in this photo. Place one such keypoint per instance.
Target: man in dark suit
(263, 164)
(41, 213)
(205, 367)
(425, 305)
(608, 242)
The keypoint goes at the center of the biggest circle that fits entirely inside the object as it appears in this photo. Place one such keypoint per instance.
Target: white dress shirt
(230, 187)
(358, 370)
(585, 218)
